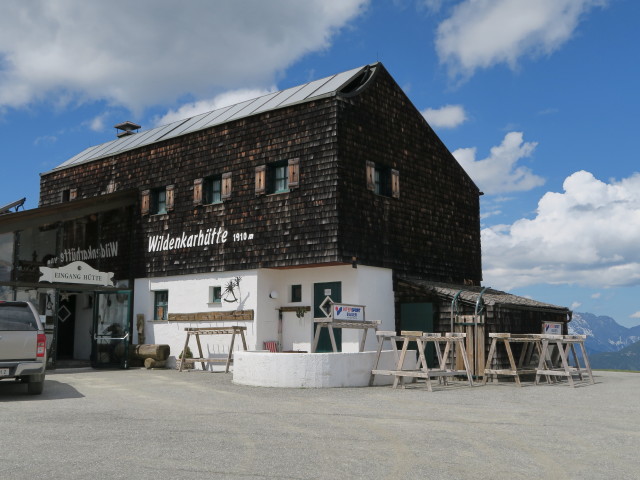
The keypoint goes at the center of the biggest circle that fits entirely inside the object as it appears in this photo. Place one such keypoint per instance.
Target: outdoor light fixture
(273, 294)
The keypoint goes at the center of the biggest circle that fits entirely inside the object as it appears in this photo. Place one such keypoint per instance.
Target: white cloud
(587, 235)
(596, 295)
(483, 33)
(224, 99)
(149, 52)
(575, 305)
(635, 315)
(500, 173)
(97, 123)
(449, 116)
(45, 139)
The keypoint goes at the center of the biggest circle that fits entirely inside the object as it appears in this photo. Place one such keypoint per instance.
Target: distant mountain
(603, 333)
(626, 359)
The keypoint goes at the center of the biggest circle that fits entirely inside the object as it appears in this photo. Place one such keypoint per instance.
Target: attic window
(383, 180)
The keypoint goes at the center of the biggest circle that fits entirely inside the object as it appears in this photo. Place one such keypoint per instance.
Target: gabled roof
(325, 87)
(469, 294)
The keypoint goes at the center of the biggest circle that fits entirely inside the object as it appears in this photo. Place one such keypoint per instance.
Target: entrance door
(320, 292)
(419, 317)
(111, 329)
(66, 325)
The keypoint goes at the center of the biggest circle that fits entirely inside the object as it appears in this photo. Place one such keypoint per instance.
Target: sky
(537, 100)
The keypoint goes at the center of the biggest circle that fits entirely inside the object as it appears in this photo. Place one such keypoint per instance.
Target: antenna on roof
(17, 204)
(127, 128)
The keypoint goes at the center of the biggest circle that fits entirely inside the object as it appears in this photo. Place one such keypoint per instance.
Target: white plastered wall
(369, 286)
(191, 294)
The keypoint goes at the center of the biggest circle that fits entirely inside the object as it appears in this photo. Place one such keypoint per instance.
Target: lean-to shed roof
(469, 295)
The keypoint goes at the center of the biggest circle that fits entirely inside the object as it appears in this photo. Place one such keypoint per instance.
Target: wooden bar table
(422, 369)
(196, 332)
(382, 336)
(564, 345)
(524, 366)
(331, 324)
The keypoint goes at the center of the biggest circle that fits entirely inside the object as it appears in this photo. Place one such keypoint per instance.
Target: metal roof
(307, 92)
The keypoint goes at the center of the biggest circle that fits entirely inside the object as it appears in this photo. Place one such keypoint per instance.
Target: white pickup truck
(23, 345)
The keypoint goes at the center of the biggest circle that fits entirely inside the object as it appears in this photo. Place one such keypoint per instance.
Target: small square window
(278, 178)
(296, 293)
(382, 181)
(159, 201)
(215, 294)
(212, 189)
(160, 305)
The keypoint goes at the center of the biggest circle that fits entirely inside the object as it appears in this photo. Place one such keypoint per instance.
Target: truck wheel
(35, 388)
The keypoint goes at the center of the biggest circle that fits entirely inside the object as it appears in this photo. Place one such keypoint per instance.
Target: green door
(111, 329)
(419, 316)
(320, 292)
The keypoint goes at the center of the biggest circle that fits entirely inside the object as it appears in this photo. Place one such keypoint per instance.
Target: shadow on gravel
(53, 390)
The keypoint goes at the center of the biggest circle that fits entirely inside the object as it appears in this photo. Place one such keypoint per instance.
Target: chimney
(127, 128)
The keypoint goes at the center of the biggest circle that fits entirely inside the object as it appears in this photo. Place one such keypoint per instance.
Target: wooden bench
(196, 332)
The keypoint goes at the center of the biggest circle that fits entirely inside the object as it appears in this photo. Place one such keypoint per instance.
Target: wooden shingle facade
(430, 227)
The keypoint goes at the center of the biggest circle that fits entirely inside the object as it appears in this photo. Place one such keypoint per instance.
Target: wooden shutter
(145, 202)
(170, 197)
(226, 186)
(371, 172)
(294, 173)
(197, 191)
(261, 179)
(395, 183)
(73, 194)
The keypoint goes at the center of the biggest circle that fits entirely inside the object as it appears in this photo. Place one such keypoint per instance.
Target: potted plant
(187, 354)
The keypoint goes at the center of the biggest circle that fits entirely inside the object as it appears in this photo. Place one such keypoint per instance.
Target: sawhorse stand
(196, 332)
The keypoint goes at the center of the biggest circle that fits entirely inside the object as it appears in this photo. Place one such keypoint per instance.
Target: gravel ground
(151, 424)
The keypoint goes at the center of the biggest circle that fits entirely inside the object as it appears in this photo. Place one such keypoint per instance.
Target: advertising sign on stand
(348, 313)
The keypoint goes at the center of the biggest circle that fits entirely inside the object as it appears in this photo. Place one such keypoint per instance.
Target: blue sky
(538, 100)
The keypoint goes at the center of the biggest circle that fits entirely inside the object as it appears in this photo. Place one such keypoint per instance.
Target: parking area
(149, 424)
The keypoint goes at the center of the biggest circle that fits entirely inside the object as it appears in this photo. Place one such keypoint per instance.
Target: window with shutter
(383, 180)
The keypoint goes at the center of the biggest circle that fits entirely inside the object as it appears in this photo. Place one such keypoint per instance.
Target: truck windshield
(16, 318)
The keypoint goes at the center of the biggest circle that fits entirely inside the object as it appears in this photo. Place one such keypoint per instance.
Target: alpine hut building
(251, 215)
